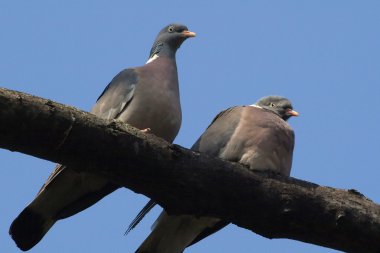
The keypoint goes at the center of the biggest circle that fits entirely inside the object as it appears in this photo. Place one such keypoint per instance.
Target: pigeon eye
(171, 29)
(272, 105)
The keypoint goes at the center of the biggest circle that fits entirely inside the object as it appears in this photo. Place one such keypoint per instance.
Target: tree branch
(185, 182)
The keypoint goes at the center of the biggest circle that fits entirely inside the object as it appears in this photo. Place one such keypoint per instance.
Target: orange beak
(188, 34)
(291, 112)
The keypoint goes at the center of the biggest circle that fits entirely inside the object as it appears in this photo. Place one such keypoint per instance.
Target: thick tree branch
(185, 182)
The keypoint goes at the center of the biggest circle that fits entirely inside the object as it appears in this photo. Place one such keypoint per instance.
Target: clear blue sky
(323, 55)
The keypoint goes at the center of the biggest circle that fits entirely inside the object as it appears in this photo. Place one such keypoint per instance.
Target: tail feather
(172, 234)
(66, 194)
(29, 228)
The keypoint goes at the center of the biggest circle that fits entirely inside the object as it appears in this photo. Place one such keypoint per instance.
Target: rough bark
(186, 182)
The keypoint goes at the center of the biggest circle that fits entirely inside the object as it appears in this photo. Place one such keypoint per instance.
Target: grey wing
(219, 132)
(288, 143)
(212, 142)
(203, 145)
(58, 169)
(117, 95)
(114, 99)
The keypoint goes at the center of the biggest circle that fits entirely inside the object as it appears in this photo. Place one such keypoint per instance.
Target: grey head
(169, 39)
(279, 105)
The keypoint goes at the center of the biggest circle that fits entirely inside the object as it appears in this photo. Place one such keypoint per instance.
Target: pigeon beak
(188, 34)
(291, 112)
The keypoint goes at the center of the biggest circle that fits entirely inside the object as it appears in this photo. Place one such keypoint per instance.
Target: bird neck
(160, 49)
(270, 110)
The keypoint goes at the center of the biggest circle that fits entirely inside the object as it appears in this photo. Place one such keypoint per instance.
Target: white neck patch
(154, 57)
(256, 106)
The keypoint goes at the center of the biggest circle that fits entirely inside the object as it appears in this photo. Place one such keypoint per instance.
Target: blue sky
(323, 55)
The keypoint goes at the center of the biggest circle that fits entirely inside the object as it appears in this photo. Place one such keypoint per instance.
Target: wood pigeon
(145, 97)
(256, 136)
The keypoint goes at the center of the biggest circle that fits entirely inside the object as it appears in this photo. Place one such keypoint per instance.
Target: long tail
(66, 193)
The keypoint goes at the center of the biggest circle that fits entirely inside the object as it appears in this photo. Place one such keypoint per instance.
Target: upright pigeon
(145, 97)
(256, 136)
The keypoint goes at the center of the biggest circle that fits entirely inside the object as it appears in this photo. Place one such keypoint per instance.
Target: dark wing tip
(27, 229)
(140, 216)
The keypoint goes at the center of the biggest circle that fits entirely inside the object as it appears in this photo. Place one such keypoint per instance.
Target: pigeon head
(279, 105)
(169, 39)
